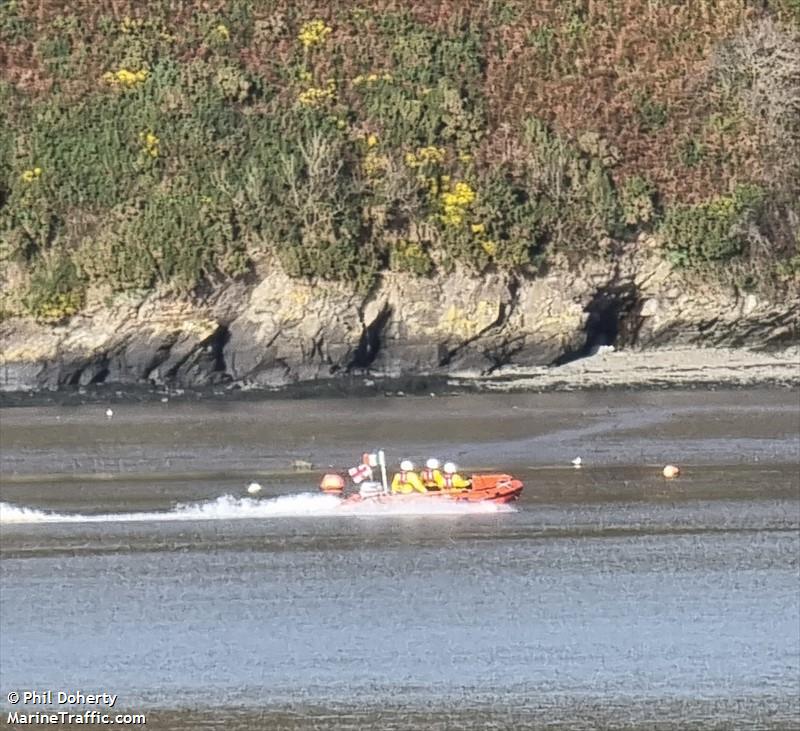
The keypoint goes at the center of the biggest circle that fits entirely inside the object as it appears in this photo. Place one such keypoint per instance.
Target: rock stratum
(274, 330)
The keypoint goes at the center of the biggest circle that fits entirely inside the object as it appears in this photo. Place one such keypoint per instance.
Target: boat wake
(229, 507)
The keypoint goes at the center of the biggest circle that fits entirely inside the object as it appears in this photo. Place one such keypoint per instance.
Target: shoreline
(652, 369)
(606, 370)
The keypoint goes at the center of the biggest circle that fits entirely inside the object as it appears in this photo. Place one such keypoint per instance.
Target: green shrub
(636, 199)
(541, 38)
(55, 291)
(177, 237)
(422, 55)
(789, 268)
(691, 152)
(576, 200)
(433, 93)
(14, 25)
(28, 222)
(410, 256)
(653, 115)
(88, 151)
(711, 233)
(506, 223)
(319, 230)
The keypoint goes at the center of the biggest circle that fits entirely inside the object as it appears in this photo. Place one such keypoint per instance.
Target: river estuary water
(134, 562)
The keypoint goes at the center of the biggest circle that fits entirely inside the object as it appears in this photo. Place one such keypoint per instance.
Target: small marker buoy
(577, 463)
(671, 471)
(109, 413)
(254, 488)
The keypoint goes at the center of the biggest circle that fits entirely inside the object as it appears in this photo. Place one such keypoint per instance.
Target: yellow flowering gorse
(455, 203)
(316, 96)
(410, 256)
(125, 78)
(425, 156)
(313, 33)
(374, 164)
(222, 32)
(58, 307)
(29, 176)
(129, 25)
(150, 143)
(490, 247)
(371, 79)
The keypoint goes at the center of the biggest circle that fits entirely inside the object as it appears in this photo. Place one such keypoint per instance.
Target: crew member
(431, 474)
(451, 480)
(407, 481)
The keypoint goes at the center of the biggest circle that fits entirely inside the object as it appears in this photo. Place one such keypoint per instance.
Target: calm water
(134, 562)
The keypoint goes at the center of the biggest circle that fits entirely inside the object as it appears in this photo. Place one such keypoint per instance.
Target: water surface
(134, 562)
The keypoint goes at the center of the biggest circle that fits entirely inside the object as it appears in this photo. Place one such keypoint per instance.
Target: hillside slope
(191, 151)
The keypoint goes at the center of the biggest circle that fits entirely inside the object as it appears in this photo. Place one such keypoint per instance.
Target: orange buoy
(332, 484)
(671, 471)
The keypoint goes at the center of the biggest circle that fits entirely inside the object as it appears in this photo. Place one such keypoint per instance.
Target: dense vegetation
(176, 143)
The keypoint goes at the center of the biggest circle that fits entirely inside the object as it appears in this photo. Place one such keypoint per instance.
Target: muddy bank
(276, 331)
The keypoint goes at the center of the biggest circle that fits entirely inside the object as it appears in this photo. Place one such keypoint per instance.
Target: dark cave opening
(612, 320)
(370, 342)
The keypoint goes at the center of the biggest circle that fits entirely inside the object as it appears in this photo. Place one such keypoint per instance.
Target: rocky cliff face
(280, 331)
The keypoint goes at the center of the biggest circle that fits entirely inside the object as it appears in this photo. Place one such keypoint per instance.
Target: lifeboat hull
(498, 489)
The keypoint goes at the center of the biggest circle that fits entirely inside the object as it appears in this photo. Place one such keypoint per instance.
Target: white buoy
(109, 413)
(254, 488)
(671, 471)
(577, 463)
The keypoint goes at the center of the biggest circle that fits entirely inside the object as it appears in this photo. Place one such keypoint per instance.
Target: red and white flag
(360, 473)
(364, 470)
